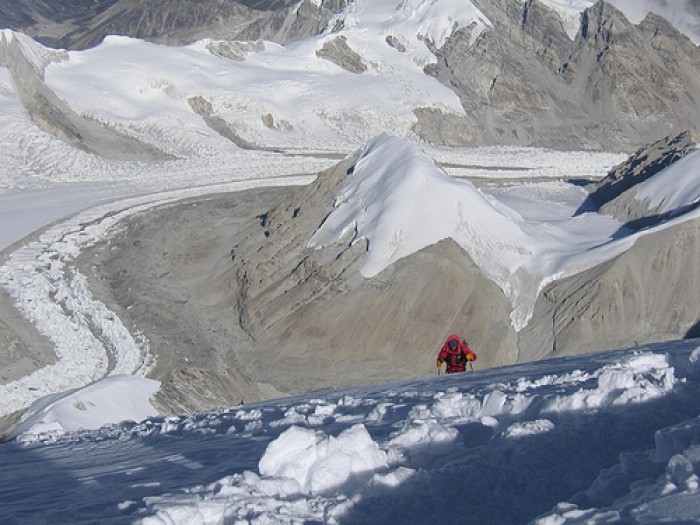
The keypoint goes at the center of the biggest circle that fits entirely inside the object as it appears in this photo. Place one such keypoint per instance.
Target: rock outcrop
(615, 194)
(649, 293)
(341, 54)
(81, 24)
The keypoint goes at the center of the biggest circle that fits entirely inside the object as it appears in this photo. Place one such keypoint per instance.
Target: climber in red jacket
(455, 354)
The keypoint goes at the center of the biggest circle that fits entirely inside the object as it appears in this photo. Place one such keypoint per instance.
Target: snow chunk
(529, 428)
(318, 462)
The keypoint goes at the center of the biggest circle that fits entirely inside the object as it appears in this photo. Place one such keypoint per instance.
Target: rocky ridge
(526, 82)
(613, 195)
(81, 24)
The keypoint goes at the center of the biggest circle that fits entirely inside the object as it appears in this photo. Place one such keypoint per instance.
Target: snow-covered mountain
(452, 72)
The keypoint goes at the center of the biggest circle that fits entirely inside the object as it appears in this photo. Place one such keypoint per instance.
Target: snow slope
(601, 438)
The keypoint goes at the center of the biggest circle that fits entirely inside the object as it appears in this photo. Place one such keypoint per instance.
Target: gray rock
(649, 293)
(234, 50)
(341, 54)
(203, 108)
(80, 24)
(615, 194)
(235, 305)
(395, 42)
(615, 86)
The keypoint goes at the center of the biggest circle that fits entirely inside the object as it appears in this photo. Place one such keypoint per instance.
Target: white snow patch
(675, 187)
(108, 401)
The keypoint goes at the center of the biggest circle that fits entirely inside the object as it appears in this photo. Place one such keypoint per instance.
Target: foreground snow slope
(603, 438)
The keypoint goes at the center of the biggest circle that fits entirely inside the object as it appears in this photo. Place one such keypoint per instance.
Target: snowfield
(602, 438)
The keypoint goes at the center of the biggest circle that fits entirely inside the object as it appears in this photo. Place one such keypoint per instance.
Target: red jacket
(456, 360)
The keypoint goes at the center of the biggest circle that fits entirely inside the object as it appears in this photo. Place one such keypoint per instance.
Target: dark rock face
(80, 24)
(616, 85)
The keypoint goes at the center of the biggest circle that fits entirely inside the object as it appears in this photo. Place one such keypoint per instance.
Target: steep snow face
(400, 201)
(676, 187)
(600, 438)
